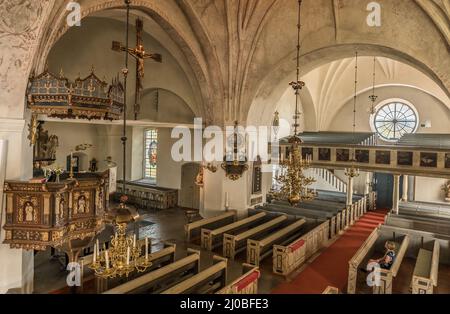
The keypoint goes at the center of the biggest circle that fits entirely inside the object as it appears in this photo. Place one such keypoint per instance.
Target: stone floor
(165, 225)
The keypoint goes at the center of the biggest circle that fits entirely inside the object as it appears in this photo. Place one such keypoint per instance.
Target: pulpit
(66, 215)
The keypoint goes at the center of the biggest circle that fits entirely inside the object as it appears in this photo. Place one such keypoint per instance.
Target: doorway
(190, 192)
(384, 186)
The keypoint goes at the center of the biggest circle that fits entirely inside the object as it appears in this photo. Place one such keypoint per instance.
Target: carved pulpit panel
(39, 215)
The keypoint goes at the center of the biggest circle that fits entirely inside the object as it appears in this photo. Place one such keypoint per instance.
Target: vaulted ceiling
(241, 51)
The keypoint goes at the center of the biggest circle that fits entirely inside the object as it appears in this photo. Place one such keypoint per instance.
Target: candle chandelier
(294, 184)
(124, 255)
(352, 171)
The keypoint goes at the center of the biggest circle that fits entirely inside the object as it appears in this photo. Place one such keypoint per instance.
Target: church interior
(225, 147)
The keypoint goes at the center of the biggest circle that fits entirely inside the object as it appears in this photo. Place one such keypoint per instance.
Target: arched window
(150, 154)
(395, 119)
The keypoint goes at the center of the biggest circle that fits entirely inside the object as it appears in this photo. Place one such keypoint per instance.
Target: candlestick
(107, 259)
(146, 249)
(226, 200)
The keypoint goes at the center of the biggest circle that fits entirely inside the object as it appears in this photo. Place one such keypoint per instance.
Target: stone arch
(184, 112)
(272, 87)
(173, 23)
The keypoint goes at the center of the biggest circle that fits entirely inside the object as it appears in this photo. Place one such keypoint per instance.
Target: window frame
(149, 140)
(386, 103)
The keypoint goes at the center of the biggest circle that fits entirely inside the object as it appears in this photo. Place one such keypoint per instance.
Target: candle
(134, 241)
(146, 249)
(115, 237)
(226, 200)
(107, 259)
(128, 255)
(98, 249)
(95, 253)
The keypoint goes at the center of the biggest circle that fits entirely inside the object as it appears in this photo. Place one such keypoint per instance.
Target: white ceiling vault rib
(439, 12)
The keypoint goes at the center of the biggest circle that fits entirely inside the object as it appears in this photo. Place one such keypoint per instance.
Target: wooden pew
(424, 208)
(288, 258)
(213, 222)
(211, 239)
(433, 225)
(331, 290)
(387, 276)
(425, 275)
(208, 281)
(162, 278)
(257, 250)
(245, 284)
(364, 254)
(233, 244)
(333, 215)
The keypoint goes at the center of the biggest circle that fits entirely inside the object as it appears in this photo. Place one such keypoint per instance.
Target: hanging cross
(140, 55)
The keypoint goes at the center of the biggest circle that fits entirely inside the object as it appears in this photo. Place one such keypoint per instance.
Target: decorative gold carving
(38, 214)
(85, 98)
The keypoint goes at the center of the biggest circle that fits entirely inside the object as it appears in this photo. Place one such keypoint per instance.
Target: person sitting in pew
(387, 260)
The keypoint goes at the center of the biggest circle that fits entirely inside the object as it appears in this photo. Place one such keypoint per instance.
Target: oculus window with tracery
(394, 120)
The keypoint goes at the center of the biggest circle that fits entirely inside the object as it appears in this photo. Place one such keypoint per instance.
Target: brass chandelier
(294, 184)
(353, 172)
(373, 98)
(124, 256)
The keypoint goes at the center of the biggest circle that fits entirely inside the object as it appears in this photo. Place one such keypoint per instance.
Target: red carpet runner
(331, 267)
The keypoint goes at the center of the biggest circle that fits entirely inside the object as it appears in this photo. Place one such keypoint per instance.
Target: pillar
(396, 194)
(217, 185)
(405, 188)
(17, 269)
(367, 184)
(350, 190)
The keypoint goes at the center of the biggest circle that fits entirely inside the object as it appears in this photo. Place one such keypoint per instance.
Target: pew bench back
(210, 280)
(212, 238)
(193, 229)
(257, 250)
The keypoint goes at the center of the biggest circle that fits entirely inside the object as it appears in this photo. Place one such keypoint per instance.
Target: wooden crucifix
(139, 54)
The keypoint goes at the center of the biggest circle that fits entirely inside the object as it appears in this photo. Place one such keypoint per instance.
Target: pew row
(245, 284)
(427, 224)
(331, 290)
(425, 209)
(210, 239)
(425, 275)
(233, 244)
(162, 278)
(333, 215)
(288, 258)
(194, 228)
(376, 240)
(257, 250)
(210, 280)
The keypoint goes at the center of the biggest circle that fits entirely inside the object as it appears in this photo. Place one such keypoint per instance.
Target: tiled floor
(166, 225)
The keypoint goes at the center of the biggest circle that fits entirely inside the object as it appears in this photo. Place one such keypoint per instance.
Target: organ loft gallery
(230, 154)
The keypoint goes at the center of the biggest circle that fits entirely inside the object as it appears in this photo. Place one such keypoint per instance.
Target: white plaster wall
(428, 108)
(82, 47)
(429, 190)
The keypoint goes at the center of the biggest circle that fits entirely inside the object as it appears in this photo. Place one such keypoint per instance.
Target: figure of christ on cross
(139, 54)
